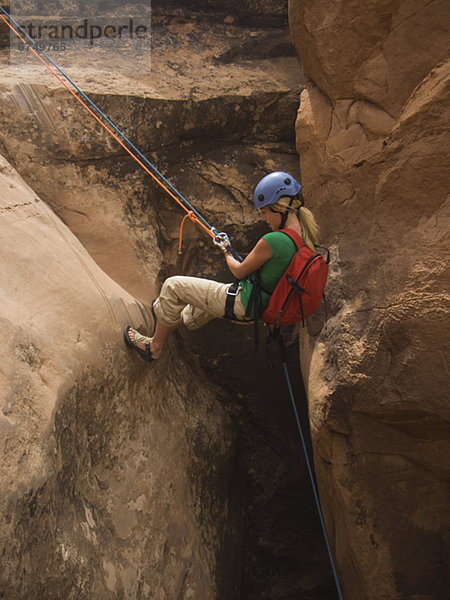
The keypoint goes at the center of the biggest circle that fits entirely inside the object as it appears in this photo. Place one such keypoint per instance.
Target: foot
(143, 345)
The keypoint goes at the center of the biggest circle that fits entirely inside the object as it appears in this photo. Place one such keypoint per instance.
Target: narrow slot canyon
(185, 478)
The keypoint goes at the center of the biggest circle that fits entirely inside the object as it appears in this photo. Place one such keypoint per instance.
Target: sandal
(146, 354)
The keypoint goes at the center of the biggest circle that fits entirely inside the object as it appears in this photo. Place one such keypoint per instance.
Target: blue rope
(314, 487)
(116, 129)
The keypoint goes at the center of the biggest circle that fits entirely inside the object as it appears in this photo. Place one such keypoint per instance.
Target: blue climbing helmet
(273, 186)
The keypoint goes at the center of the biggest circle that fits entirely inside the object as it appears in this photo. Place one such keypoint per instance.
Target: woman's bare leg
(161, 334)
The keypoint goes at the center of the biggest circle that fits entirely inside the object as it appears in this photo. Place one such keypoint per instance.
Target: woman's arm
(257, 257)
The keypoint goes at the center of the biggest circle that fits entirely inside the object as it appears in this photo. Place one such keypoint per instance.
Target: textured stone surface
(103, 494)
(372, 133)
(378, 51)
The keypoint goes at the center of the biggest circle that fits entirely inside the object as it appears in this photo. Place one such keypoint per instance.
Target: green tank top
(282, 250)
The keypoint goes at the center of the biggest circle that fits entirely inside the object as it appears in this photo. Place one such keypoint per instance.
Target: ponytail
(309, 227)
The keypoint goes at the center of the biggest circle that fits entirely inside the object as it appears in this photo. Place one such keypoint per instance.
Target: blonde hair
(292, 204)
(310, 229)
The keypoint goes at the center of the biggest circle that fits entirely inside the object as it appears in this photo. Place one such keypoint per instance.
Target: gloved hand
(223, 241)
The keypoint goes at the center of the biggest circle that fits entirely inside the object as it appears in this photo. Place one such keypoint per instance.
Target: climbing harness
(114, 131)
(232, 292)
(275, 335)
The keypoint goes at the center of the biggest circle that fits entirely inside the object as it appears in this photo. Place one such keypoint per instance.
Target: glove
(223, 241)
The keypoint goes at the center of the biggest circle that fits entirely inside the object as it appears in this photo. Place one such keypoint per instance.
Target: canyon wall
(103, 493)
(373, 138)
(185, 479)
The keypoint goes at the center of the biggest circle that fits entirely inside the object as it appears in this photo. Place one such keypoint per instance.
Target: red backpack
(300, 290)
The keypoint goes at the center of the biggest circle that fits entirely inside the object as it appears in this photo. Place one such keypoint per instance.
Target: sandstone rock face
(102, 493)
(372, 133)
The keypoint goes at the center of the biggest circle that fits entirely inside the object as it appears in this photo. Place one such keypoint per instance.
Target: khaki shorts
(194, 300)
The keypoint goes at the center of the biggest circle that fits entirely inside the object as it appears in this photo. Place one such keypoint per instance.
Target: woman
(192, 301)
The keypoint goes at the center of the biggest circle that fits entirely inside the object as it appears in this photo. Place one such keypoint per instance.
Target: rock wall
(103, 493)
(372, 133)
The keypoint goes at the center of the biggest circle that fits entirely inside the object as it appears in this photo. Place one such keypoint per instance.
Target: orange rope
(193, 217)
(190, 215)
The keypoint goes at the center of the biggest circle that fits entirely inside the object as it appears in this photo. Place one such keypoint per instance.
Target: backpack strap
(255, 304)
(295, 287)
(328, 252)
(294, 236)
(232, 292)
